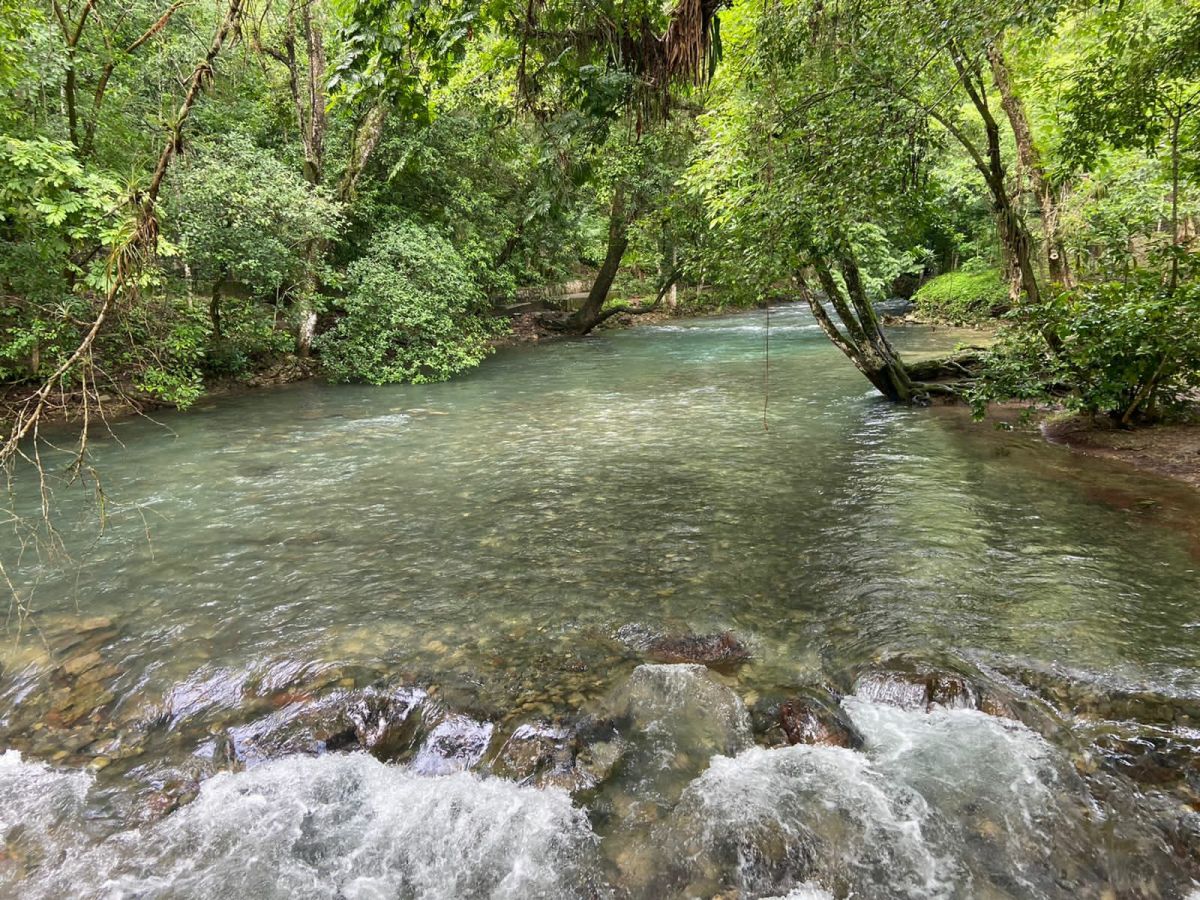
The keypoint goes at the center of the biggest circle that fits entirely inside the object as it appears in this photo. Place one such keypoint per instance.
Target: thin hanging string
(766, 367)
(770, 179)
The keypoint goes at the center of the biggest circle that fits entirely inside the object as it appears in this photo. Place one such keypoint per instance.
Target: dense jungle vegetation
(192, 190)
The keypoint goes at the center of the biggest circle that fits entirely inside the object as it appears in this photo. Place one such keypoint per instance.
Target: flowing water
(470, 581)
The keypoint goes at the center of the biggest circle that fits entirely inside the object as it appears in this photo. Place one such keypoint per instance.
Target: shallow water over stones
(582, 598)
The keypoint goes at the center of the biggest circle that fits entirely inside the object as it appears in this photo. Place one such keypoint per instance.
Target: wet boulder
(383, 722)
(456, 744)
(916, 688)
(541, 754)
(812, 720)
(718, 651)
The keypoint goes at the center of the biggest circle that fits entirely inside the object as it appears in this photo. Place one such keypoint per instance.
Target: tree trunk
(214, 307)
(72, 32)
(310, 119)
(861, 338)
(588, 316)
(314, 145)
(366, 139)
(1176, 116)
(990, 163)
(668, 266)
(1057, 265)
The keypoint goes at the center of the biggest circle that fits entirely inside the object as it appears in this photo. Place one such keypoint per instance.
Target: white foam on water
(40, 809)
(937, 805)
(807, 891)
(782, 816)
(342, 826)
(957, 757)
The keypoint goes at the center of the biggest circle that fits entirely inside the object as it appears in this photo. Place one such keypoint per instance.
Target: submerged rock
(1154, 759)
(671, 720)
(717, 651)
(1079, 695)
(808, 720)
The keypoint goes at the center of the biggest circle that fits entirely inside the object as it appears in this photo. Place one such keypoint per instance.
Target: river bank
(1169, 450)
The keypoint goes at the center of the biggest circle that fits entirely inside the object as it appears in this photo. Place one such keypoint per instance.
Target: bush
(963, 298)
(412, 313)
(241, 214)
(1130, 351)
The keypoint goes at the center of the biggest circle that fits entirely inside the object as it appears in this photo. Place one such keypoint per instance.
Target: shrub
(241, 214)
(1129, 351)
(962, 297)
(412, 313)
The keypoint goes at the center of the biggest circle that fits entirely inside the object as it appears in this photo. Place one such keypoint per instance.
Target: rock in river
(916, 689)
(381, 721)
(808, 720)
(456, 744)
(541, 754)
(717, 651)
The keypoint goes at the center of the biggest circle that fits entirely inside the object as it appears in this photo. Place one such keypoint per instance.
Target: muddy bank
(122, 399)
(1172, 451)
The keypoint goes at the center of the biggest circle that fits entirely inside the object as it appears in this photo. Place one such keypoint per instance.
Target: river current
(339, 641)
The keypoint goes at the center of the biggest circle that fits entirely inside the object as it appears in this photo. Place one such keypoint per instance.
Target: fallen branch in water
(560, 321)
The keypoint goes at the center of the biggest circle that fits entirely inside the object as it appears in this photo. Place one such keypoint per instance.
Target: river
(475, 581)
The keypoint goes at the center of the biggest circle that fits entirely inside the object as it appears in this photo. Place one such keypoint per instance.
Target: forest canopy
(192, 191)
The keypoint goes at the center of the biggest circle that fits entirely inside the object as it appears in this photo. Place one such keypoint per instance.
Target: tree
(244, 216)
(1030, 159)
(136, 240)
(1136, 88)
(412, 313)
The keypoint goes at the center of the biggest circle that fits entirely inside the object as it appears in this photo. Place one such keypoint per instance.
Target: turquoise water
(503, 540)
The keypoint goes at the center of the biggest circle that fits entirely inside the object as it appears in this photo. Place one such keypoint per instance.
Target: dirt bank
(1169, 450)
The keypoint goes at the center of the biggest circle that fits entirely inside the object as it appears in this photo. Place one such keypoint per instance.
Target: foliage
(162, 347)
(1127, 350)
(963, 298)
(57, 222)
(1127, 89)
(1115, 215)
(243, 215)
(412, 313)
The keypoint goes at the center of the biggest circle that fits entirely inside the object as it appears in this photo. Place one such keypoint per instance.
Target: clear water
(500, 542)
